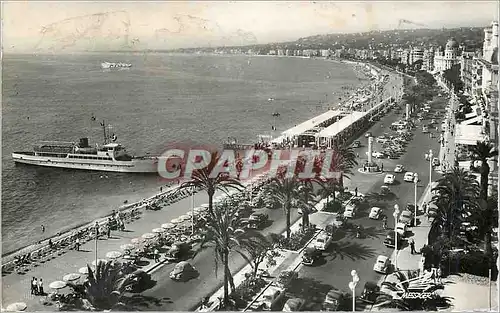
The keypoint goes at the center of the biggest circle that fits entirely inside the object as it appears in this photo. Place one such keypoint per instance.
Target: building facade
(445, 58)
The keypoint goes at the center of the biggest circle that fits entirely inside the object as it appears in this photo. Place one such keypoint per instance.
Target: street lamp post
(96, 238)
(352, 286)
(415, 180)
(192, 210)
(396, 214)
(430, 166)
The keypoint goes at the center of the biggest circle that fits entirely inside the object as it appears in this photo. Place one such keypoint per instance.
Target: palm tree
(484, 151)
(223, 230)
(308, 196)
(202, 179)
(286, 191)
(456, 194)
(106, 285)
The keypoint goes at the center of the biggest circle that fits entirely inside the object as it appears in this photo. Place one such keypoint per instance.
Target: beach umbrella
(136, 240)
(16, 307)
(175, 221)
(83, 270)
(113, 254)
(99, 261)
(148, 236)
(199, 210)
(71, 277)
(184, 217)
(205, 205)
(158, 230)
(57, 284)
(127, 246)
(190, 213)
(167, 225)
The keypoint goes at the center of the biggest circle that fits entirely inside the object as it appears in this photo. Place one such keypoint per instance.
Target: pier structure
(300, 135)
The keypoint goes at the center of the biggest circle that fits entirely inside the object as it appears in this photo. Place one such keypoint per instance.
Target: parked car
(294, 304)
(406, 217)
(350, 210)
(389, 179)
(375, 213)
(399, 168)
(409, 177)
(323, 241)
(310, 256)
(435, 162)
(390, 239)
(256, 220)
(273, 298)
(401, 228)
(334, 300)
(356, 144)
(370, 292)
(178, 251)
(183, 271)
(381, 264)
(385, 190)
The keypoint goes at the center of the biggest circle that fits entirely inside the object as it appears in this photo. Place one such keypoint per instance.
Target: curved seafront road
(358, 254)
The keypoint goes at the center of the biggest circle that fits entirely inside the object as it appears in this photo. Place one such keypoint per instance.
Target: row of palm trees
(224, 228)
(459, 197)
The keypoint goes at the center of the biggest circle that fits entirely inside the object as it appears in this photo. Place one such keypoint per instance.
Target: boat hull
(138, 165)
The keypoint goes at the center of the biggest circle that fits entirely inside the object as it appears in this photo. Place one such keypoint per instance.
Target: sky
(75, 26)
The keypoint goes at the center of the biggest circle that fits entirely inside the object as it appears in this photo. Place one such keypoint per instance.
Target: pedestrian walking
(382, 166)
(31, 286)
(156, 255)
(51, 245)
(412, 246)
(40, 287)
(43, 228)
(356, 191)
(34, 285)
(108, 231)
(77, 244)
(438, 275)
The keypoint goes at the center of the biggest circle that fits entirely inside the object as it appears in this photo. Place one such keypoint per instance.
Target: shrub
(344, 196)
(297, 239)
(473, 262)
(285, 278)
(333, 206)
(247, 290)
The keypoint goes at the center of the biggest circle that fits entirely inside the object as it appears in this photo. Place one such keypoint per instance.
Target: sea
(161, 99)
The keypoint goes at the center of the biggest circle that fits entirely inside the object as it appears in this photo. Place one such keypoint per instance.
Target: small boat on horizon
(109, 65)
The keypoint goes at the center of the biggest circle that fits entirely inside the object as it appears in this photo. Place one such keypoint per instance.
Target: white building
(445, 58)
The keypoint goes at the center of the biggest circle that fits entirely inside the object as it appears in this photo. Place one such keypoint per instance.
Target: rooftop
(309, 124)
(341, 125)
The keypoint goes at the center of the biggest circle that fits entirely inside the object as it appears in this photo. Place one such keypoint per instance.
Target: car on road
(375, 213)
(389, 179)
(368, 135)
(401, 228)
(399, 168)
(256, 220)
(310, 256)
(273, 298)
(350, 211)
(378, 155)
(435, 162)
(406, 217)
(294, 304)
(323, 241)
(183, 271)
(356, 144)
(409, 177)
(381, 264)
(385, 190)
(390, 239)
(334, 299)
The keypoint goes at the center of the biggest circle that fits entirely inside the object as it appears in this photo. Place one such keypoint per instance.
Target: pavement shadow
(311, 290)
(140, 302)
(351, 250)
(266, 224)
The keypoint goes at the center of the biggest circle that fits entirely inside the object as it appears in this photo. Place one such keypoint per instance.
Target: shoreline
(65, 232)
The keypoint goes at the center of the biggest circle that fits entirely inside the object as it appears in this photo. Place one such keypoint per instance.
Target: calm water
(163, 98)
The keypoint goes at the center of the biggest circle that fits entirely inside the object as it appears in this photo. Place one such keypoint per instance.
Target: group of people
(37, 287)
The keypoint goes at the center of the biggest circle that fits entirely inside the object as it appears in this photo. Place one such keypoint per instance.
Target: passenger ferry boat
(109, 157)
(109, 65)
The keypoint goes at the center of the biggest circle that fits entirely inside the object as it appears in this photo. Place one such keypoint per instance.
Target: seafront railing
(128, 211)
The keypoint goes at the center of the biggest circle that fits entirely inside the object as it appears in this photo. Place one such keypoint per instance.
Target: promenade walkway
(16, 287)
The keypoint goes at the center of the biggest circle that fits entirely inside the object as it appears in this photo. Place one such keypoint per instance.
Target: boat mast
(104, 130)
